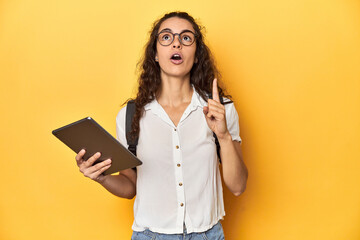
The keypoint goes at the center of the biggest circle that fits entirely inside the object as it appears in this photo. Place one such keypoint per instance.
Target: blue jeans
(215, 233)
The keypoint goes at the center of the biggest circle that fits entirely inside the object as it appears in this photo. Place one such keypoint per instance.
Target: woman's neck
(175, 91)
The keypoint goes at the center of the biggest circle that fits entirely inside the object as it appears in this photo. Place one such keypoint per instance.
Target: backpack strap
(130, 111)
(217, 146)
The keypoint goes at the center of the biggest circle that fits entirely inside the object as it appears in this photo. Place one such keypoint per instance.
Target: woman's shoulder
(120, 117)
(120, 126)
(230, 109)
(228, 103)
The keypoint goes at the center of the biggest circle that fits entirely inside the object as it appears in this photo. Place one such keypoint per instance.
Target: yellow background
(292, 67)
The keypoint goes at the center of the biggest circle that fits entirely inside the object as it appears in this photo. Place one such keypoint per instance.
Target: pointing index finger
(215, 93)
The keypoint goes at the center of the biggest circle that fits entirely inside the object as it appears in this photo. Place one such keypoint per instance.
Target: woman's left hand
(215, 114)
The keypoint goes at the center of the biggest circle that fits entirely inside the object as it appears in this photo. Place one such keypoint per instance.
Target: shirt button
(180, 184)
(175, 129)
(178, 164)
(181, 204)
(177, 147)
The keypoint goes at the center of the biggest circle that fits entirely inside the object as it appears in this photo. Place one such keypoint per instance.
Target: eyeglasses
(186, 37)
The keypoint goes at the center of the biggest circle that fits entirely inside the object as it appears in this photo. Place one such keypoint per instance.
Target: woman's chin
(169, 69)
(175, 74)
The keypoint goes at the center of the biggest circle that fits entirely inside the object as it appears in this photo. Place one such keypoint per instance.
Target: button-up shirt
(179, 181)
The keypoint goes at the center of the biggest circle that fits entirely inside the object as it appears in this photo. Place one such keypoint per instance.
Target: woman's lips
(176, 58)
(177, 62)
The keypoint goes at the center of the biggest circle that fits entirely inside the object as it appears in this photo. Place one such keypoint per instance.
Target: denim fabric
(215, 233)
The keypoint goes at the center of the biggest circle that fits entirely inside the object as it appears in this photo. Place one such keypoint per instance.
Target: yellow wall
(292, 68)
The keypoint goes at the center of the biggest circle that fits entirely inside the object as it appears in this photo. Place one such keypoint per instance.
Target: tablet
(89, 135)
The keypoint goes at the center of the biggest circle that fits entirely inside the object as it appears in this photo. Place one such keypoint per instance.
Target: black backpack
(130, 111)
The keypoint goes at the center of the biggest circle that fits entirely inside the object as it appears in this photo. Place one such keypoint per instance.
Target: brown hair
(202, 73)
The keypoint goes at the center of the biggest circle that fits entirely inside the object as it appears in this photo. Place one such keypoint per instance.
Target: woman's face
(176, 59)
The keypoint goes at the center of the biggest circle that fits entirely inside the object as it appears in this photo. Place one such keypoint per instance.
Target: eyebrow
(166, 30)
(169, 30)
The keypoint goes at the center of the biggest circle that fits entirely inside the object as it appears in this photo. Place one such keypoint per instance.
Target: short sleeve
(120, 127)
(232, 121)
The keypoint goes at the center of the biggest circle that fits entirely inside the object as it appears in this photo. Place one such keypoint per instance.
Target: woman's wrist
(101, 179)
(225, 138)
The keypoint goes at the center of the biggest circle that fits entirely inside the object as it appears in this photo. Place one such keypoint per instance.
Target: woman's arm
(234, 170)
(122, 185)
(235, 173)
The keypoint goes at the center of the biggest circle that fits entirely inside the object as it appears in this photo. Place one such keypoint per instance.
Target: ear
(196, 60)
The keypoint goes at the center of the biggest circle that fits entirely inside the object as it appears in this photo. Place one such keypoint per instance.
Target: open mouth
(176, 58)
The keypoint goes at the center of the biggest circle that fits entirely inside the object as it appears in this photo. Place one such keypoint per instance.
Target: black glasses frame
(174, 34)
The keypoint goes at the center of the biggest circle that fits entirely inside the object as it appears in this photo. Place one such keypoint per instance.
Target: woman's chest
(191, 140)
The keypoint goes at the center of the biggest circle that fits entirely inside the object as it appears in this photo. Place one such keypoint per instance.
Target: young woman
(178, 187)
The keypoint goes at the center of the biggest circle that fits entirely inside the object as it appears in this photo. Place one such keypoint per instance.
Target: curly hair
(202, 73)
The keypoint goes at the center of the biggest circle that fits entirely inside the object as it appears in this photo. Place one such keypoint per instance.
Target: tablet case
(89, 135)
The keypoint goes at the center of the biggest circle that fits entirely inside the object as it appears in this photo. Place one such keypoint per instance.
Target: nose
(176, 43)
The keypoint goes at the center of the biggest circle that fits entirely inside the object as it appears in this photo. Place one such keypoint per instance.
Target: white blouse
(179, 181)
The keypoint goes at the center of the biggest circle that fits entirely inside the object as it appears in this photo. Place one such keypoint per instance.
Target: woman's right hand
(93, 172)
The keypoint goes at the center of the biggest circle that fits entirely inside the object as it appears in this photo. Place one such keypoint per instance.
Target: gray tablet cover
(89, 135)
